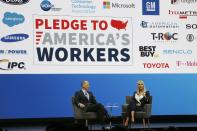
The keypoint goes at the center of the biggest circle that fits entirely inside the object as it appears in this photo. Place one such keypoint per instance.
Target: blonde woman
(140, 97)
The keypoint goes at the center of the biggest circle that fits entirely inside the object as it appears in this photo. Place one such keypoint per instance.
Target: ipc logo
(46, 5)
(5, 64)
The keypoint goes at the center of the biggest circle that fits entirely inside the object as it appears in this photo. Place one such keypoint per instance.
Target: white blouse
(138, 97)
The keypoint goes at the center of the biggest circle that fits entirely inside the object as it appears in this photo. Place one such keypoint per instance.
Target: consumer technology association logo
(83, 6)
(150, 7)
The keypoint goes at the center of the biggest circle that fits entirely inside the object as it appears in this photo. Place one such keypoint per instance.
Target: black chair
(145, 114)
(80, 114)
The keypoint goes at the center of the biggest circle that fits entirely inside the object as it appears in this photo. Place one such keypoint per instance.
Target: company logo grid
(107, 36)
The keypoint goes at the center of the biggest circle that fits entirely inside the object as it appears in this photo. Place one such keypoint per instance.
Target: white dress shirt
(86, 94)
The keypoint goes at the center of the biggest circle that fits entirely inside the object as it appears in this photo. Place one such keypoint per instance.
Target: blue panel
(47, 96)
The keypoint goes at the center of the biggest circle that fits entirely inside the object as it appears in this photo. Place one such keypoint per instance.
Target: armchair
(145, 114)
(80, 114)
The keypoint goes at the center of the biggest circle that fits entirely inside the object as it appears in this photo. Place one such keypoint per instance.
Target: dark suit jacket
(81, 98)
(144, 100)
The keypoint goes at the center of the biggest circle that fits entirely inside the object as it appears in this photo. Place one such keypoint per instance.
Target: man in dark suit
(86, 100)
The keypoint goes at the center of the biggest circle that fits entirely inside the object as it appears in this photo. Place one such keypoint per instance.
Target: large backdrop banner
(98, 36)
(47, 47)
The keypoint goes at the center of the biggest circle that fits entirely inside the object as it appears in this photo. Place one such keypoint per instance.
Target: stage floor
(152, 126)
(188, 126)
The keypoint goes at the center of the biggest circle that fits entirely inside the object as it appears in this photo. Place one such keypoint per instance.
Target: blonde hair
(140, 82)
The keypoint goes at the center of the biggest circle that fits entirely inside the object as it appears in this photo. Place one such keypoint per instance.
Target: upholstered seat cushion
(82, 114)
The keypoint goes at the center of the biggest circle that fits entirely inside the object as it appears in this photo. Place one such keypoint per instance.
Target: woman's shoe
(132, 123)
(126, 124)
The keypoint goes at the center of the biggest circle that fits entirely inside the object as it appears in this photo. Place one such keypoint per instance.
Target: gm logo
(150, 7)
(15, 2)
(5, 64)
(14, 37)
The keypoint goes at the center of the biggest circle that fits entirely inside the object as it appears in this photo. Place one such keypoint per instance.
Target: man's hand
(81, 105)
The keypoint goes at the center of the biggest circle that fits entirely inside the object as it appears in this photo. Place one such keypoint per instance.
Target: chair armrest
(148, 109)
(125, 107)
(124, 110)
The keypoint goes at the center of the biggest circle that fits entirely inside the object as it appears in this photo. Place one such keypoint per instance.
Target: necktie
(86, 94)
